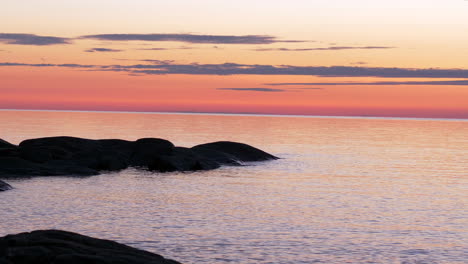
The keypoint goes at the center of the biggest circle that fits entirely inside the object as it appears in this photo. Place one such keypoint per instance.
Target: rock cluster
(55, 156)
(61, 247)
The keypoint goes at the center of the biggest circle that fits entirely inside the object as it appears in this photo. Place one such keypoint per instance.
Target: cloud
(155, 49)
(358, 63)
(258, 69)
(159, 62)
(253, 89)
(148, 60)
(179, 48)
(102, 50)
(333, 71)
(31, 39)
(451, 82)
(65, 65)
(191, 38)
(326, 48)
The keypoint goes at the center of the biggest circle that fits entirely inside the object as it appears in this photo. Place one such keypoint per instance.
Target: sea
(346, 189)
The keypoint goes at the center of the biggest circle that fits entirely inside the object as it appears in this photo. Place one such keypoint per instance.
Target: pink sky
(275, 57)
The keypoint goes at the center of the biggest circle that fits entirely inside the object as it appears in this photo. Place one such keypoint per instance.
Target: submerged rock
(4, 186)
(62, 247)
(72, 156)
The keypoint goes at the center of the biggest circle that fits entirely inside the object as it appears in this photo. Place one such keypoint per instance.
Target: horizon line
(243, 114)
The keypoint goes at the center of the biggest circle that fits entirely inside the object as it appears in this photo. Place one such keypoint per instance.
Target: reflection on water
(347, 190)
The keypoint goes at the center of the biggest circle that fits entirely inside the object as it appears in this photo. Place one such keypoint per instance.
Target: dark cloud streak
(31, 39)
(190, 38)
(37, 40)
(451, 82)
(159, 62)
(326, 48)
(159, 49)
(333, 71)
(102, 50)
(253, 89)
(65, 65)
(258, 69)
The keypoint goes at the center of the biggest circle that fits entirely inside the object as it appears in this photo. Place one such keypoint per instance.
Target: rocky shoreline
(62, 247)
(72, 156)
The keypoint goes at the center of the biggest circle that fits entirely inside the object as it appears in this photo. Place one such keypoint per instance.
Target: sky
(299, 57)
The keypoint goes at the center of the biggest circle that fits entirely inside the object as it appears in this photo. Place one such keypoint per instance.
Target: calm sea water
(347, 190)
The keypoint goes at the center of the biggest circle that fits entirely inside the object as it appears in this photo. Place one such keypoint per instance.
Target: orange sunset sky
(306, 57)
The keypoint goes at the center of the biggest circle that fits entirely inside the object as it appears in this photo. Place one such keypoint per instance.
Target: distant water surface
(347, 190)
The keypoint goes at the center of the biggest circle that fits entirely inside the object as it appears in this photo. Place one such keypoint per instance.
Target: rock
(71, 144)
(118, 145)
(65, 167)
(122, 149)
(7, 149)
(81, 156)
(41, 154)
(9, 152)
(238, 151)
(109, 161)
(56, 148)
(182, 159)
(101, 160)
(219, 157)
(14, 167)
(72, 156)
(145, 150)
(4, 186)
(62, 247)
(11, 167)
(5, 144)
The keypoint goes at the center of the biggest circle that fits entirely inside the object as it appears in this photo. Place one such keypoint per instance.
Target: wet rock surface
(72, 156)
(62, 247)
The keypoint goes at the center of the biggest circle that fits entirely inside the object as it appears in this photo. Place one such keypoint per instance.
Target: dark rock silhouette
(4, 186)
(145, 150)
(14, 167)
(62, 247)
(238, 151)
(4, 144)
(7, 149)
(221, 158)
(182, 159)
(71, 156)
